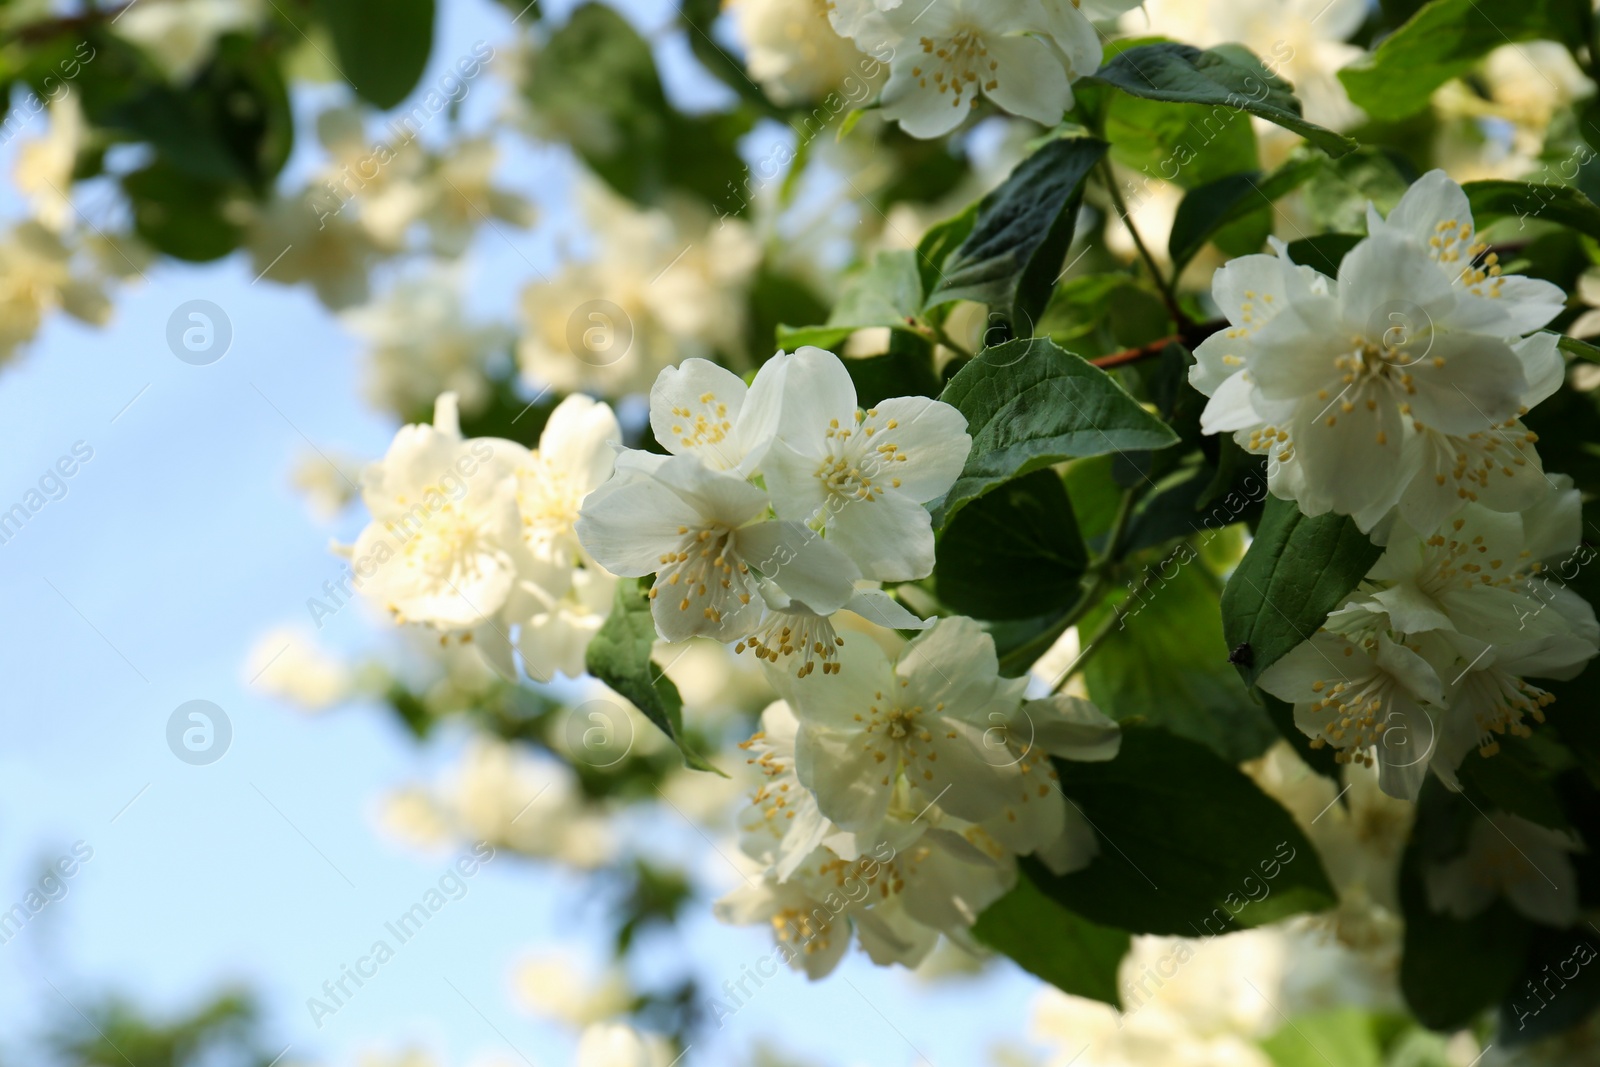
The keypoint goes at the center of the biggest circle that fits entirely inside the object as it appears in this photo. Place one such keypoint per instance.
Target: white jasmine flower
(445, 541)
(706, 537)
(576, 454)
(782, 826)
(460, 196)
(43, 171)
(37, 277)
(1508, 856)
(699, 409)
(794, 53)
(1329, 379)
(862, 477)
(812, 932)
(924, 716)
(1021, 54)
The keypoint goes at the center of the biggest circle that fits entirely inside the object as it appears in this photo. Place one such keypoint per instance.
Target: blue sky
(145, 586)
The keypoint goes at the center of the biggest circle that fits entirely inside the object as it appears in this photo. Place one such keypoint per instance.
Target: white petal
(889, 538)
(1029, 80)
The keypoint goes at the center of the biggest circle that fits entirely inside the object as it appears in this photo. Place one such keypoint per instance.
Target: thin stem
(941, 335)
(1118, 616)
(1156, 274)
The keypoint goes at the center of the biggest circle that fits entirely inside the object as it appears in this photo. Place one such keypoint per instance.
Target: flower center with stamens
(703, 571)
(788, 633)
(960, 63)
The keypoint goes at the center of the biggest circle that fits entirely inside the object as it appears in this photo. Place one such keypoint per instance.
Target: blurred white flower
(328, 481)
(617, 1045)
(794, 53)
(288, 663)
(662, 286)
(299, 238)
(43, 171)
(502, 794)
(422, 344)
(181, 34)
(37, 276)
(1508, 856)
(557, 986)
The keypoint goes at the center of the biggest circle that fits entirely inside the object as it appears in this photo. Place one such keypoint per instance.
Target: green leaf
(941, 240)
(1168, 664)
(1533, 201)
(1189, 145)
(1336, 198)
(382, 45)
(1211, 209)
(619, 655)
(905, 370)
(1011, 258)
(1031, 404)
(1228, 77)
(1171, 865)
(886, 292)
(1014, 554)
(184, 216)
(1444, 40)
(1050, 942)
(1323, 252)
(1297, 572)
(595, 86)
(1348, 1037)
(1558, 988)
(1451, 970)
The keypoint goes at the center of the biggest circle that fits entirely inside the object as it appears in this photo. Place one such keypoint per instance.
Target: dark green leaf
(1297, 572)
(1170, 865)
(1533, 201)
(184, 216)
(905, 370)
(1014, 554)
(1030, 404)
(1228, 77)
(1212, 208)
(1444, 40)
(1011, 258)
(941, 240)
(1452, 969)
(1050, 942)
(619, 655)
(1167, 664)
(1558, 988)
(886, 292)
(382, 45)
(1324, 252)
